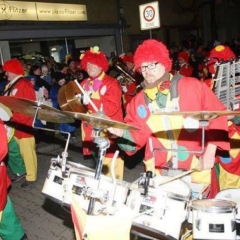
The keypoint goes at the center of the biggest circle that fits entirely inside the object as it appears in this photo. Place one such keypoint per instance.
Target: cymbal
(71, 92)
(100, 120)
(29, 107)
(201, 115)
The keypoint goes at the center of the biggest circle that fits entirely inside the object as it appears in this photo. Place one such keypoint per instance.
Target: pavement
(42, 218)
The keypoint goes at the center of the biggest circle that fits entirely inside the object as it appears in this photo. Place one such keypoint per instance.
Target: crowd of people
(129, 88)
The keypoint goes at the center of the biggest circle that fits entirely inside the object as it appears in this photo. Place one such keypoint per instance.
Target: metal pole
(1, 55)
(150, 32)
(66, 43)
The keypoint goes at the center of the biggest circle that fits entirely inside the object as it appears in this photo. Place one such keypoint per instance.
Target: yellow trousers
(28, 151)
(228, 180)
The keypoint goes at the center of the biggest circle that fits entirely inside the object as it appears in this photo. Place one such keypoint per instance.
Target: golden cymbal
(62, 99)
(201, 115)
(71, 92)
(29, 107)
(100, 120)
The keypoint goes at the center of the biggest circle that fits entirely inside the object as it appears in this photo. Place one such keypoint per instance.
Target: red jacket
(23, 89)
(4, 179)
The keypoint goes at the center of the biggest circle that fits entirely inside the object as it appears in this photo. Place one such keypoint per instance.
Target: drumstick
(86, 95)
(178, 176)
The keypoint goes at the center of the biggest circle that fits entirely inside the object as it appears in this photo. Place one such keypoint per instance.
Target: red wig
(152, 51)
(96, 57)
(222, 53)
(13, 66)
(127, 58)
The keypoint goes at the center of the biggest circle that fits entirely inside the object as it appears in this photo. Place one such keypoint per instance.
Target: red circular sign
(149, 13)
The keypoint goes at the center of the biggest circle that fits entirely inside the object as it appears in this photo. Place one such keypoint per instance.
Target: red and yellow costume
(4, 179)
(106, 93)
(228, 160)
(22, 88)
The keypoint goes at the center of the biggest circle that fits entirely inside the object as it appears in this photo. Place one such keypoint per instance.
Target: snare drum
(163, 210)
(214, 219)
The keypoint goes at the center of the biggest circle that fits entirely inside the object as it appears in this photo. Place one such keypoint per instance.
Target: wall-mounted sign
(38, 11)
(149, 16)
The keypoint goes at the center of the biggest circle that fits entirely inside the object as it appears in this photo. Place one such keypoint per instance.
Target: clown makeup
(93, 70)
(153, 74)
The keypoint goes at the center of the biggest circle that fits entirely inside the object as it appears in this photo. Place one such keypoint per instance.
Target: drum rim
(213, 209)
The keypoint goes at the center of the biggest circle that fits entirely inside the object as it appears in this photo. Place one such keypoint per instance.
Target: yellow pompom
(219, 48)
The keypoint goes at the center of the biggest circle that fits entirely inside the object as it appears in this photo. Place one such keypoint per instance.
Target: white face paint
(191, 124)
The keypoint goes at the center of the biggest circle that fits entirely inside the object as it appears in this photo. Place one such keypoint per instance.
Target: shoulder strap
(7, 92)
(174, 85)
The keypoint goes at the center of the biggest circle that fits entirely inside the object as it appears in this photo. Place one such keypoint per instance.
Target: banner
(38, 11)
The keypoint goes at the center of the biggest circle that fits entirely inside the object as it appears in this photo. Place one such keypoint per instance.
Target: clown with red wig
(172, 142)
(105, 92)
(228, 160)
(185, 68)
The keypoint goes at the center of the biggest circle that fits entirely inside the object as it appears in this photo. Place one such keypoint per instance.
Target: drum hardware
(144, 181)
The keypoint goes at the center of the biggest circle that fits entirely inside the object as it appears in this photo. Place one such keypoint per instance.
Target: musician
(105, 92)
(10, 226)
(229, 160)
(18, 86)
(185, 68)
(130, 88)
(172, 133)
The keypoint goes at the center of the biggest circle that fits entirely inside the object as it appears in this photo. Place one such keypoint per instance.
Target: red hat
(222, 53)
(96, 57)
(127, 58)
(152, 50)
(13, 66)
(184, 56)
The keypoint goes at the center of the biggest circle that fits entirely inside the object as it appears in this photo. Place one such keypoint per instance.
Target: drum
(232, 194)
(213, 219)
(55, 186)
(162, 211)
(108, 195)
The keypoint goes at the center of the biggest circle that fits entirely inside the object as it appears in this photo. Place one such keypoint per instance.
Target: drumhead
(213, 205)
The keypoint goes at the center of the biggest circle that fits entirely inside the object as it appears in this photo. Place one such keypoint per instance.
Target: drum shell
(53, 186)
(168, 208)
(213, 219)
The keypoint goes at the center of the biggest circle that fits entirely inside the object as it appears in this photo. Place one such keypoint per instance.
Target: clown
(229, 167)
(105, 92)
(185, 68)
(172, 142)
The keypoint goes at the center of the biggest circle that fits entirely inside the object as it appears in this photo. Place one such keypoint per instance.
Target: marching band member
(18, 86)
(130, 88)
(105, 92)
(229, 167)
(185, 68)
(10, 226)
(178, 135)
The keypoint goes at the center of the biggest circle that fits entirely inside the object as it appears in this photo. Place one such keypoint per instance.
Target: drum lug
(198, 224)
(233, 224)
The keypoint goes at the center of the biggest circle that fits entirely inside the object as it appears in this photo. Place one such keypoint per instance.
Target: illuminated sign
(36, 11)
